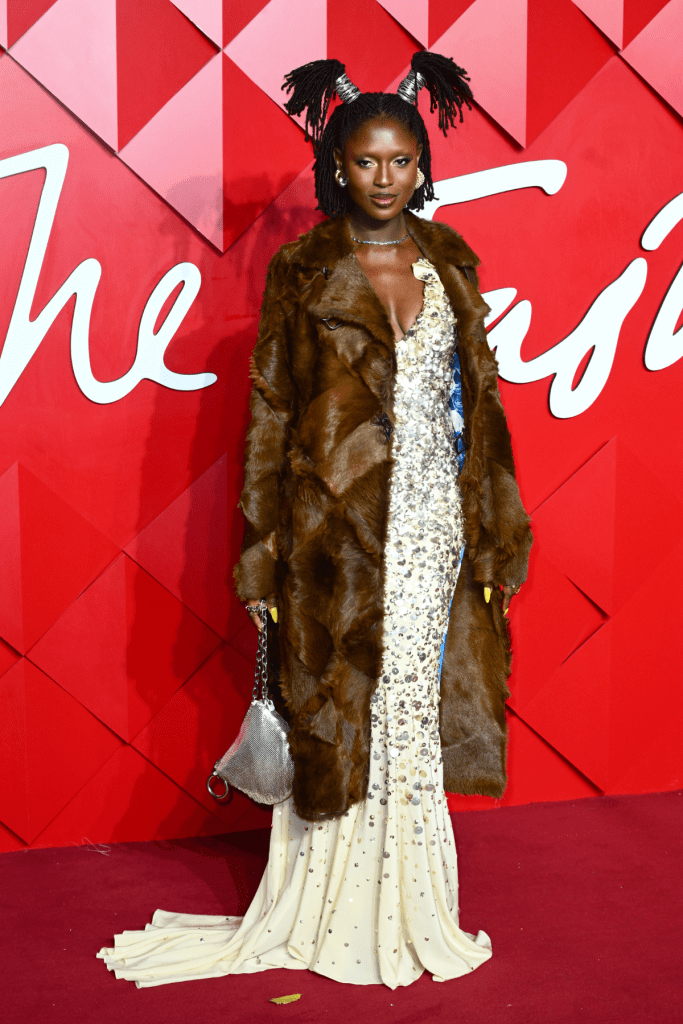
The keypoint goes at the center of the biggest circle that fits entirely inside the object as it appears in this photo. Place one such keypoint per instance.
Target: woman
(359, 503)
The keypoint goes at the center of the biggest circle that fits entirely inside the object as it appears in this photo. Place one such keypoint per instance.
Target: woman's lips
(381, 200)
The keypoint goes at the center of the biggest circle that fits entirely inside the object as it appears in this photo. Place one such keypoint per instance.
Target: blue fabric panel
(457, 417)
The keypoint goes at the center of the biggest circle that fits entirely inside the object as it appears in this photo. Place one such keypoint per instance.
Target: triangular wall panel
(591, 527)
(577, 526)
(17, 16)
(544, 639)
(268, 48)
(442, 14)
(656, 54)
(220, 20)
(490, 41)
(252, 183)
(353, 29)
(207, 15)
(186, 550)
(46, 734)
(149, 74)
(134, 637)
(71, 50)
(571, 712)
(179, 153)
(237, 15)
(100, 58)
(48, 556)
(526, 59)
(192, 152)
(608, 15)
(564, 53)
(620, 20)
(198, 724)
(129, 799)
(638, 14)
(646, 707)
(426, 20)
(413, 15)
(8, 657)
(10, 841)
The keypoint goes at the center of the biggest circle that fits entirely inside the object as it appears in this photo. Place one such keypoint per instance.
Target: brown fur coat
(315, 500)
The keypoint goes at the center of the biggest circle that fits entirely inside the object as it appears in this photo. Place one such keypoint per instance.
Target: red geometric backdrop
(139, 138)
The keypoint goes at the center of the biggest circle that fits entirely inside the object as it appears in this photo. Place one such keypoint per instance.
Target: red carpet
(583, 901)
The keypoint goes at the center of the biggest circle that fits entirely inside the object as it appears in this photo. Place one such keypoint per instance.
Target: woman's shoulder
(327, 242)
(442, 241)
(324, 242)
(293, 263)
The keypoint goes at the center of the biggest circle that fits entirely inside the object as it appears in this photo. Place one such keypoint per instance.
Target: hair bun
(312, 86)
(447, 83)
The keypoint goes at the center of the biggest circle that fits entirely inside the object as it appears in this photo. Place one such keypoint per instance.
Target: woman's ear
(338, 158)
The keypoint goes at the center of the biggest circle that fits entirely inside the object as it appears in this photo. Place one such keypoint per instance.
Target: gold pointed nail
(487, 594)
(273, 614)
(506, 611)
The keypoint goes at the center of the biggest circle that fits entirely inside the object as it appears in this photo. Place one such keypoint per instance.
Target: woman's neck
(370, 230)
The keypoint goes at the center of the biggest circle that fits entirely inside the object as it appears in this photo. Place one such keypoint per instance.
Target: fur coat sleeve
(498, 533)
(258, 572)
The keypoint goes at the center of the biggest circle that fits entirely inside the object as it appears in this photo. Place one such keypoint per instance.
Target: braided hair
(314, 85)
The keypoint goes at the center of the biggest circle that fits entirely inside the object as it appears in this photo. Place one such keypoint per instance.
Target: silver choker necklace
(367, 241)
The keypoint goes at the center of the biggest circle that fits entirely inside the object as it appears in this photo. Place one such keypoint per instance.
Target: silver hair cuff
(346, 90)
(410, 86)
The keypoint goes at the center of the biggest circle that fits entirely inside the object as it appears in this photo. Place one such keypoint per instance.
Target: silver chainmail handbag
(259, 761)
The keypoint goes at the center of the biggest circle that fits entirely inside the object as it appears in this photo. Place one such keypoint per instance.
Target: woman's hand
(256, 619)
(508, 594)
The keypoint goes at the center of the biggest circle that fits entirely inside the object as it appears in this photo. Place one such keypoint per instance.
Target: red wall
(125, 659)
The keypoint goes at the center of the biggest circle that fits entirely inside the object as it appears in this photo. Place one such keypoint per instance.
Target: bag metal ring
(218, 796)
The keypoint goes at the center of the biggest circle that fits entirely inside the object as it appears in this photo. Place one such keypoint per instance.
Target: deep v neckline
(386, 311)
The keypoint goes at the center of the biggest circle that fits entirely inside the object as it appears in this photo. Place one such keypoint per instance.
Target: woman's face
(380, 160)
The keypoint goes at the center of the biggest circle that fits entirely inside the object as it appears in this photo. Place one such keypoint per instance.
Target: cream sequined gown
(371, 897)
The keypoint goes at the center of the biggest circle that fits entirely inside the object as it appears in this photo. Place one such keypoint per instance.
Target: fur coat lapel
(347, 296)
(347, 299)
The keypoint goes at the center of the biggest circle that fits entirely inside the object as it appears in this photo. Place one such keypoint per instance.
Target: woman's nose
(383, 175)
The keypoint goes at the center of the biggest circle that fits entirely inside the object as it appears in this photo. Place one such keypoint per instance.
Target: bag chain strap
(261, 670)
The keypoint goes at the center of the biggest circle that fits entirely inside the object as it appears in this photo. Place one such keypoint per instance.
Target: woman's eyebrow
(366, 152)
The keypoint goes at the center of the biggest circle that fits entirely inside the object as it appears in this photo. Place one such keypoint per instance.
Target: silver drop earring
(340, 179)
